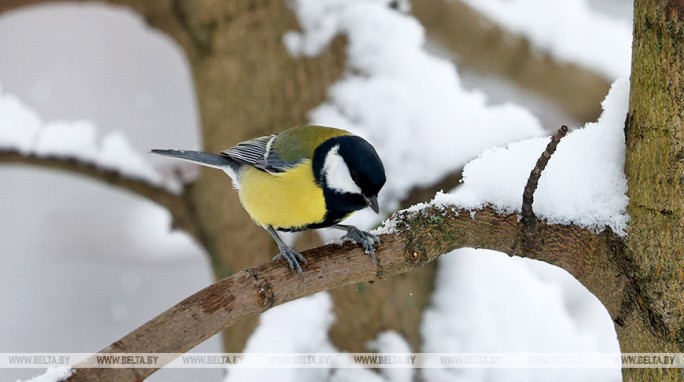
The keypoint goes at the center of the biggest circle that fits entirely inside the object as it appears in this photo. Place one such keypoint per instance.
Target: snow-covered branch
(417, 237)
(176, 203)
(551, 68)
(411, 238)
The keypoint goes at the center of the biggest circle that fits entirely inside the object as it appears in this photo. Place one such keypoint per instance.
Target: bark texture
(655, 172)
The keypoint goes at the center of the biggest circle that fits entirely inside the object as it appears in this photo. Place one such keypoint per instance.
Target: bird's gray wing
(258, 153)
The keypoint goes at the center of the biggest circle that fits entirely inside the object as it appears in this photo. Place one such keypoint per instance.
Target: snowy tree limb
(486, 47)
(178, 205)
(419, 237)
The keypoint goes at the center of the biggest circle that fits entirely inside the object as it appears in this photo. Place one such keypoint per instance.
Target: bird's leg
(290, 255)
(366, 239)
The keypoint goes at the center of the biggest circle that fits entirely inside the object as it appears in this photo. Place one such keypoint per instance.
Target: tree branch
(419, 238)
(484, 46)
(179, 206)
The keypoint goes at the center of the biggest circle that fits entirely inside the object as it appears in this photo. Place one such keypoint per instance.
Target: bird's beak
(372, 202)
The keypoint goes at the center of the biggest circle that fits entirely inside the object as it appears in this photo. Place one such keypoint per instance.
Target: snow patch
(74, 139)
(392, 342)
(22, 129)
(408, 103)
(583, 184)
(19, 125)
(485, 301)
(570, 30)
(53, 374)
(302, 326)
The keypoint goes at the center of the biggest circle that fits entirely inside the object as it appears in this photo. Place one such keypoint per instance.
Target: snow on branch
(411, 239)
(176, 203)
(419, 238)
(72, 146)
(587, 46)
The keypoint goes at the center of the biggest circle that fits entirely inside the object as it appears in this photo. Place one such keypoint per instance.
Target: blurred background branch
(177, 204)
(481, 45)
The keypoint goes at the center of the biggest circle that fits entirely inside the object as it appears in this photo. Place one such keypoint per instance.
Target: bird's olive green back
(301, 142)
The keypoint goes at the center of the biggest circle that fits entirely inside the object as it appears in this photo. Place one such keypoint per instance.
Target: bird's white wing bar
(258, 153)
(267, 151)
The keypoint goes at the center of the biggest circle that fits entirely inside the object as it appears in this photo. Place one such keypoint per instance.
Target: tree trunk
(655, 173)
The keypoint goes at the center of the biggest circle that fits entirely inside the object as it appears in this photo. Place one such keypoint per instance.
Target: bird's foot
(292, 257)
(366, 239)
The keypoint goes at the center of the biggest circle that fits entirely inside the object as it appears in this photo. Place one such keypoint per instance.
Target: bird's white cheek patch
(337, 174)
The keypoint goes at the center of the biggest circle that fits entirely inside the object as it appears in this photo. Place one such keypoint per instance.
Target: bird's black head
(350, 173)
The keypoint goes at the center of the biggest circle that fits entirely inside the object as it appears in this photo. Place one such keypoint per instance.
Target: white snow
(147, 227)
(408, 103)
(485, 301)
(299, 326)
(302, 326)
(74, 139)
(116, 152)
(392, 342)
(570, 30)
(22, 129)
(52, 374)
(583, 183)
(18, 124)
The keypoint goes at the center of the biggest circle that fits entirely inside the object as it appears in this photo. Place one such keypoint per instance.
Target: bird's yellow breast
(290, 199)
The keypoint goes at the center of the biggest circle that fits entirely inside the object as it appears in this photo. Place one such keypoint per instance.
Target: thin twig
(532, 182)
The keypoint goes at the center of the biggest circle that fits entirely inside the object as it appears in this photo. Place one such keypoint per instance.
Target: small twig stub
(532, 182)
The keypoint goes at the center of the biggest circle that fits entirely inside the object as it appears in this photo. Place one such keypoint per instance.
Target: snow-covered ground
(100, 275)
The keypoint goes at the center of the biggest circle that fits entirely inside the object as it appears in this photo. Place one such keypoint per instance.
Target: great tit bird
(304, 178)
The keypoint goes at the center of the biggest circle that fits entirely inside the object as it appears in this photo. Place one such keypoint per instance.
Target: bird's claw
(292, 257)
(366, 239)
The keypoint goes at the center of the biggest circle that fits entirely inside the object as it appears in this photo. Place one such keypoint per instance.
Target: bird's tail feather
(199, 157)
